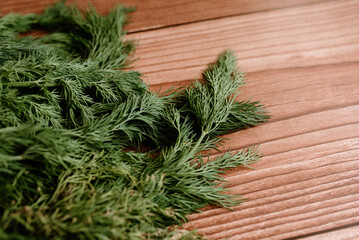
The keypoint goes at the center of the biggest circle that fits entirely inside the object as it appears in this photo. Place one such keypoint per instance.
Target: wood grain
(303, 65)
(161, 13)
(292, 191)
(304, 36)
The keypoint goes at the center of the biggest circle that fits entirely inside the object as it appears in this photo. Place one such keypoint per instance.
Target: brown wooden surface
(302, 59)
(152, 14)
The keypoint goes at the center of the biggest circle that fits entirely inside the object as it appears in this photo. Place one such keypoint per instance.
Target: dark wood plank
(157, 14)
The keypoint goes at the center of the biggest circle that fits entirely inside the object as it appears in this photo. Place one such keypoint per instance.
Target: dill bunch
(74, 124)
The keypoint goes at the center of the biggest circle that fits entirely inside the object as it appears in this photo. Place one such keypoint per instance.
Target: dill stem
(29, 84)
(11, 129)
(195, 147)
(12, 158)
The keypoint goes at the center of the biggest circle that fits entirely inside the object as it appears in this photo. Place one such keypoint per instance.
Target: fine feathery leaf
(88, 152)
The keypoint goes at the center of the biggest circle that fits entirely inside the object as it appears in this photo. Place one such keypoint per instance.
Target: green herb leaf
(88, 152)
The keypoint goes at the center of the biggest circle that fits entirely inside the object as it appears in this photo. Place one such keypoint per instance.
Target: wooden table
(302, 60)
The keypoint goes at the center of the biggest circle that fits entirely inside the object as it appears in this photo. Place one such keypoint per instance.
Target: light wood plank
(162, 13)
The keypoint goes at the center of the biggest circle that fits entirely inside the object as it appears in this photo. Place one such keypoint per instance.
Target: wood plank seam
(325, 231)
(189, 81)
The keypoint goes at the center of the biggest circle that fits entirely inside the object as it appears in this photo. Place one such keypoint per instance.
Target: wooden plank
(156, 14)
(320, 34)
(291, 92)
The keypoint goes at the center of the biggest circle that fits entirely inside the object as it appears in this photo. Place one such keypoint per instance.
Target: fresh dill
(88, 152)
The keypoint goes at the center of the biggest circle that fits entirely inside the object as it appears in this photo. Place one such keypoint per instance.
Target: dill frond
(88, 152)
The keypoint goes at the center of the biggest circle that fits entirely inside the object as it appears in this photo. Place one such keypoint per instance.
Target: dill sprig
(88, 152)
